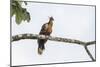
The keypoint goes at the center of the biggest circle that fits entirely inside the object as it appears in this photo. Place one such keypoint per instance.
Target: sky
(70, 21)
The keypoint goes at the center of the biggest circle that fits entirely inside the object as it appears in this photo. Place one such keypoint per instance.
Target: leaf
(12, 11)
(28, 16)
(18, 17)
(25, 2)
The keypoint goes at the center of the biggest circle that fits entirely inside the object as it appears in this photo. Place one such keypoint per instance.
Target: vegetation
(21, 14)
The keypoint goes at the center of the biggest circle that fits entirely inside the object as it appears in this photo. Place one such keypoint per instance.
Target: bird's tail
(40, 49)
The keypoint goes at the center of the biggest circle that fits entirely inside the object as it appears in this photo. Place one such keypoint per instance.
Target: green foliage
(21, 14)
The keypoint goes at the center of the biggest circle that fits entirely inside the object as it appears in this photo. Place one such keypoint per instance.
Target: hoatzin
(45, 30)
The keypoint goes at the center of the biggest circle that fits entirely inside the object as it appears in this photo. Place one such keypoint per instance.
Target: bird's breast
(49, 29)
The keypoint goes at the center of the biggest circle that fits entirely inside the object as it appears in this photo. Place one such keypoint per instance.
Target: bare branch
(88, 52)
(59, 39)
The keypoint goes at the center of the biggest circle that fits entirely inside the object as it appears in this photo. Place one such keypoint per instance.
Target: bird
(45, 30)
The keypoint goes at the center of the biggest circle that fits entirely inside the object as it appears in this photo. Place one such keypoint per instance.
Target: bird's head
(51, 21)
(51, 18)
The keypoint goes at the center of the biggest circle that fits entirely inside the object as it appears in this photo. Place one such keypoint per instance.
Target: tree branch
(88, 52)
(59, 39)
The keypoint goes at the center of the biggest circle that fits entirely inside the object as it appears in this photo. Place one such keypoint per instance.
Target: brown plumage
(45, 30)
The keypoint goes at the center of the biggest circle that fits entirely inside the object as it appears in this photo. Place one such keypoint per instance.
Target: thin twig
(88, 52)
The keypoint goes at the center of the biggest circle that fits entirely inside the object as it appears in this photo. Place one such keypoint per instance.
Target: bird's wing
(44, 28)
